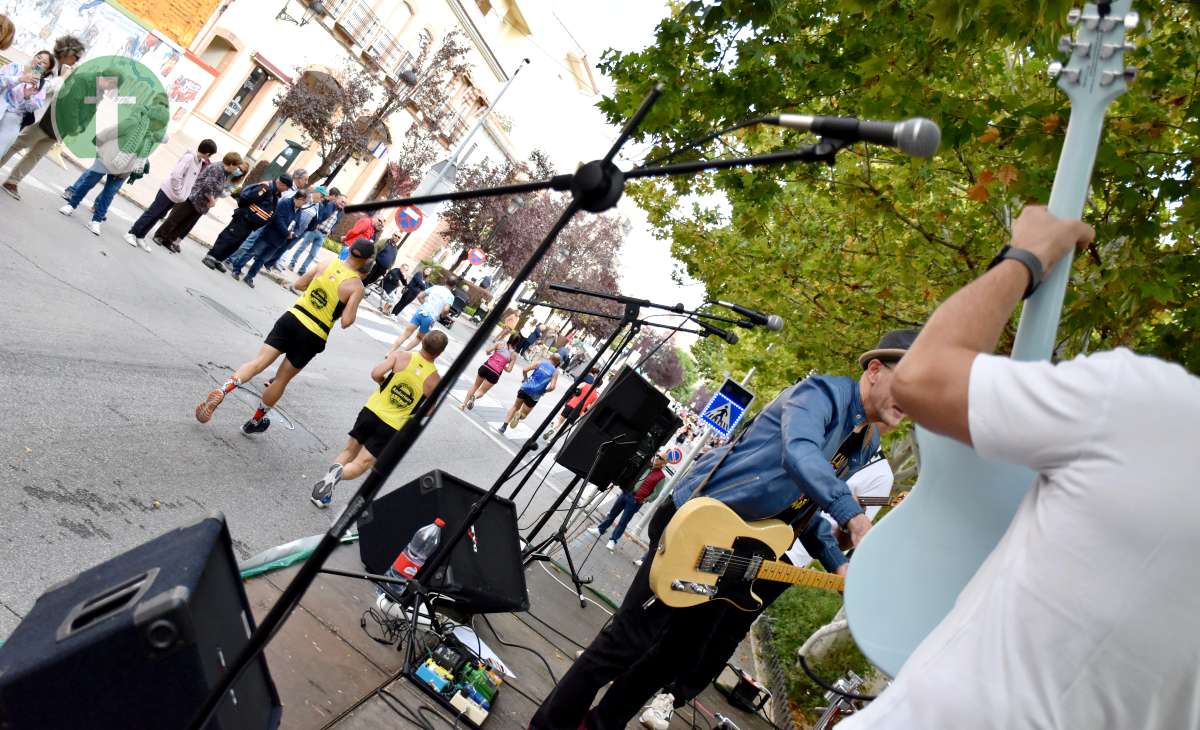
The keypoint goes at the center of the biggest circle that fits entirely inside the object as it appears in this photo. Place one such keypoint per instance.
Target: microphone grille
(774, 322)
(918, 137)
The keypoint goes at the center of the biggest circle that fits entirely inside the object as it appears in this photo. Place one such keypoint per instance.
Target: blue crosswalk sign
(726, 407)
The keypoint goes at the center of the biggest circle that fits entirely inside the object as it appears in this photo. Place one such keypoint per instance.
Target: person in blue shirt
(789, 462)
(276, 233)
(540, 378)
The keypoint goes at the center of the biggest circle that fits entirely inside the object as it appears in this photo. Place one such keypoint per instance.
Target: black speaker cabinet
(137, 642)
(633, 418)
(484, 572)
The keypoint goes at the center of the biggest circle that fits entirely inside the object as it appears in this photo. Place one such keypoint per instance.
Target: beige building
(257, 48)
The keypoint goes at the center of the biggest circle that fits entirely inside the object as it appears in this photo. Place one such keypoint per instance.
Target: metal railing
(359, 23)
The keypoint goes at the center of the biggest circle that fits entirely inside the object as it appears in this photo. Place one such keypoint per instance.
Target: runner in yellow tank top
(332, 292)
(404, 379)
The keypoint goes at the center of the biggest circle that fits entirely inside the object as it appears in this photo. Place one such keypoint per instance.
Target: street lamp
(315, 10)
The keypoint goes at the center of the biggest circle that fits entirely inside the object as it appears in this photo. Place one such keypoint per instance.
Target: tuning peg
(1129, 73)
(1054, 69)
(1132, 19)
(1108, 49)
(1067, 45)
(1073, 16)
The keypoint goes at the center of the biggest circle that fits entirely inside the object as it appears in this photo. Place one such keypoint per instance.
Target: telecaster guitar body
(707, 552)
(908, 572)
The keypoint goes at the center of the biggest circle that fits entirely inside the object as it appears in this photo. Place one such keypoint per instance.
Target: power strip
(472, 711)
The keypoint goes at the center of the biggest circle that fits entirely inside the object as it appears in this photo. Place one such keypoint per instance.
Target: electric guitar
(707, 552)
(909, 570)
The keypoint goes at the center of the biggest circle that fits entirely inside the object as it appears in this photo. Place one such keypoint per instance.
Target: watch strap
(1031, 262)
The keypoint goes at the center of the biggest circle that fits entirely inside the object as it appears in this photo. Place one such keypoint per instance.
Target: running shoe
(322, 492)
(11, 189)
(503, 427)
(204, 411)
(658, 714)
(252, 427)
(470, 403)
(66, 209)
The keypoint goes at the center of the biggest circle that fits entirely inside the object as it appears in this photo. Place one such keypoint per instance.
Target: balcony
(358, 22)
(388, 53)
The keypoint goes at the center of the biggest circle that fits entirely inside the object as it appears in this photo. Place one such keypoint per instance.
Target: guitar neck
(780, 572)
(875, 501)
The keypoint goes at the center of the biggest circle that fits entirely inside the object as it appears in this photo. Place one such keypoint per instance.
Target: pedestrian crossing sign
(726, 407)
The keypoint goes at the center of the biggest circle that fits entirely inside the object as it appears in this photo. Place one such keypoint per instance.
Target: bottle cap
(439, 522)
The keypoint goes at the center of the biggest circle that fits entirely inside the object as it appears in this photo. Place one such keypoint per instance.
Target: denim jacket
(785, 455)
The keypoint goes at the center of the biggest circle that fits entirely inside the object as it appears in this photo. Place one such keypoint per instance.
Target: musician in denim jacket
(790, 462)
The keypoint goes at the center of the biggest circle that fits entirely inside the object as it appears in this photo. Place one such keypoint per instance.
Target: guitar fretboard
(783, 573)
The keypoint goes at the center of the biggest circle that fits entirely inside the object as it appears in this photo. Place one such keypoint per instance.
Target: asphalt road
(104, 352)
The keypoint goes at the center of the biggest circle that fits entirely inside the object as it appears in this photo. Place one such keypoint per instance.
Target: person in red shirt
(363, 228)
(578, 405)
(628, 503)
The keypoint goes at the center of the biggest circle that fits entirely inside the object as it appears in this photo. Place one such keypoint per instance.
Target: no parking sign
(409, 218)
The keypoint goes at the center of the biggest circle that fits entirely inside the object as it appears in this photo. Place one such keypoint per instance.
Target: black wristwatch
(1030, 261)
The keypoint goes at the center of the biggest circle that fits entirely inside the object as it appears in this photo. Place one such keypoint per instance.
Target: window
(219, 52)
(242, 98)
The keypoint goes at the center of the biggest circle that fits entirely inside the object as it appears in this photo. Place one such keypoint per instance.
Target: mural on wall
(108, 31)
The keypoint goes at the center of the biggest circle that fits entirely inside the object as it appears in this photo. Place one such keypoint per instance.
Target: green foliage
(687, 386)
(794, 617)
(875, 243)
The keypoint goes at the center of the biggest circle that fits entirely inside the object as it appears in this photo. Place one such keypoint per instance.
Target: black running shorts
(294, 340)
(527, 399)
(370, 431)
(488, 374)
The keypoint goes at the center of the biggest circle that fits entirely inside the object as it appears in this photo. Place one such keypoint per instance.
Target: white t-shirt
(437, 298)
(1086, 615)
(873, 480)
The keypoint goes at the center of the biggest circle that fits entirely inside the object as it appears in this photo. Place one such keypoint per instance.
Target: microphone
(772, 322)
(917, 137)
(729, 337)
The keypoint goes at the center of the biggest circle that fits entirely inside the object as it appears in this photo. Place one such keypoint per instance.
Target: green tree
(691, 373)
(878, 240)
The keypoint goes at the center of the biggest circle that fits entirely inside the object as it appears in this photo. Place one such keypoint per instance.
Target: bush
(794, 617)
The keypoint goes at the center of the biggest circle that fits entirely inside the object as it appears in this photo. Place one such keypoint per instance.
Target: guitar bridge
(687, 586)
(714, 559)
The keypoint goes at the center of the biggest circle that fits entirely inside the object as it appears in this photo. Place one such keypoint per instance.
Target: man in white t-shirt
(875, 479)
(1087, 613)
(433, 303)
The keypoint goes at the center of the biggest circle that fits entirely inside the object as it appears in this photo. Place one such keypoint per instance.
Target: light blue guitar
(907, 573)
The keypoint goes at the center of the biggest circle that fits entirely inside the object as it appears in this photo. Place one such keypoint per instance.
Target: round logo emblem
(402, 395)
(113, 108)
(319, 298)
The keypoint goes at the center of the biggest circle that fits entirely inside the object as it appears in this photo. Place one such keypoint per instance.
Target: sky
(572, 130)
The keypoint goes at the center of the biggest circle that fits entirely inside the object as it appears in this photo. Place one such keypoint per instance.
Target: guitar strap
(799, 513)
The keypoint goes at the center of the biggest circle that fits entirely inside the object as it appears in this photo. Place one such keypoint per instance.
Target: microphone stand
(594, 187)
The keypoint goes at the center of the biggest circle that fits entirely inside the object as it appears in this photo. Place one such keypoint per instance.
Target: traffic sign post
(736, 394)
(726, 407)
(409, 218)
(476, 257)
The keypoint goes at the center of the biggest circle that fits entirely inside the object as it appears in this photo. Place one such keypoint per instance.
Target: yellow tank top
(319, 305)
(399, 393)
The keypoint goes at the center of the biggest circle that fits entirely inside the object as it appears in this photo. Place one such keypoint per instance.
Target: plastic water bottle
(420, 547)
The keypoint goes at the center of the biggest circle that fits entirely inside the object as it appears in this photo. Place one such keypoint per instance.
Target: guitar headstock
(1095, 73)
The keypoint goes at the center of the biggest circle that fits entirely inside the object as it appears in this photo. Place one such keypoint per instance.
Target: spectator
(175, 189)
(363, 228)
(385, 256)
(417, 284)
(22, 92)
(38, 136)
(7, 31)
(250, 248)
(275, 233)
(256, 204)
(209, 186)
(629, 501)
(308, 219)
(328, 216)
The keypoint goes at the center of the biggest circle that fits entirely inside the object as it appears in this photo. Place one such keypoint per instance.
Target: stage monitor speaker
(484, 573)
(633, 418)
(137, 642)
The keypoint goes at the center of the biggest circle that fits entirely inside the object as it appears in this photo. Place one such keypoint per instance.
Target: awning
(272, 69)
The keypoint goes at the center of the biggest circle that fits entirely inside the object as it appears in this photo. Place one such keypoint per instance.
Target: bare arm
(392, 363)
(431, 383)
(553, 381)
(350, 313)
(303, 282)
(932, 379)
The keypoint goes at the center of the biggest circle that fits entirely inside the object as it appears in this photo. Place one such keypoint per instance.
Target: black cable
(697, 141)
(418, 717)
(535, 652)
(830, 688)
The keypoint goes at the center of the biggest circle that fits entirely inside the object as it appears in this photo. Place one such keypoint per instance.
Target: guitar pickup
(714, 560)
(687, 586)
